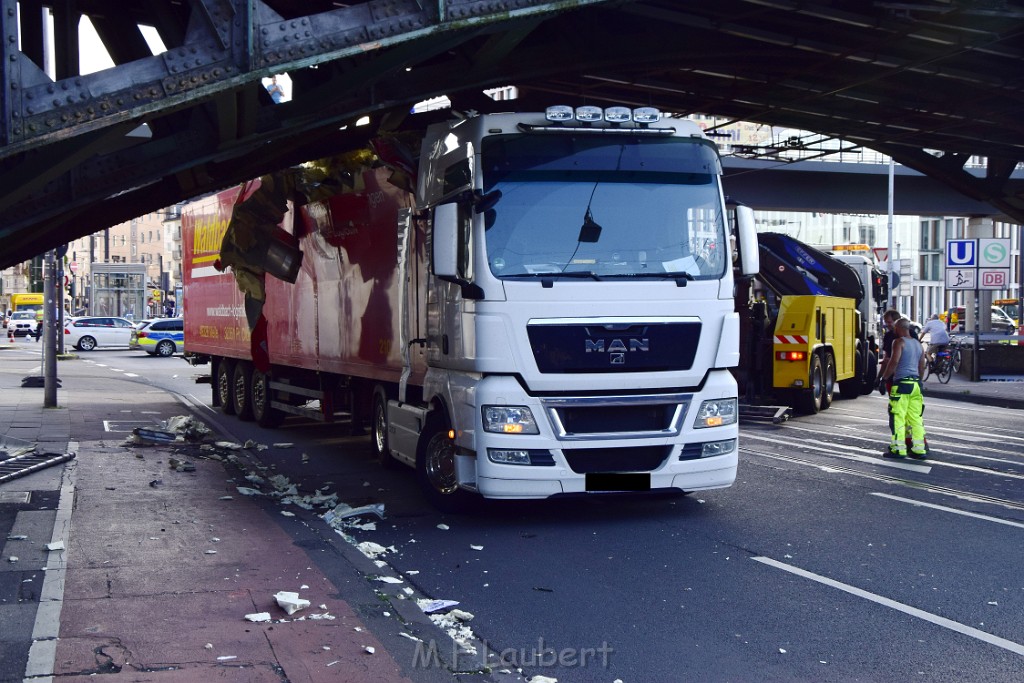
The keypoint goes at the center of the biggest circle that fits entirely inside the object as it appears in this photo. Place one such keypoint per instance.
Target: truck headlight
(713, 448)
(508, 456)
(509, 420)
(715, 413)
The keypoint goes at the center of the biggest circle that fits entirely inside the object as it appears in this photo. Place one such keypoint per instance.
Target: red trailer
(331, 336)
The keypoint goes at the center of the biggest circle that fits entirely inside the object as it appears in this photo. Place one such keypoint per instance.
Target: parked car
(160, 337)
(88, 333)
(22, 323)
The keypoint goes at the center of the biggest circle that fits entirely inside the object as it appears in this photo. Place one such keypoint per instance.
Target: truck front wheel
(222, 386)
(435, 469)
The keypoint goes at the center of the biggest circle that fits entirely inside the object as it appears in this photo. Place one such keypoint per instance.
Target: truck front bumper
(586, 442)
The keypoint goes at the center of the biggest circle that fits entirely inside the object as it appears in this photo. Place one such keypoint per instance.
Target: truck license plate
(618, 481)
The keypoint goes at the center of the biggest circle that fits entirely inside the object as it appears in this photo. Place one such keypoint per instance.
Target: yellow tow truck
(808, 325)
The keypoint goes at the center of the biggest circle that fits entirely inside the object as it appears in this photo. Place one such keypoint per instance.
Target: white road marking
(934, 445)
(130, 374)
(956, 626)
(943, 508)
(831, 450)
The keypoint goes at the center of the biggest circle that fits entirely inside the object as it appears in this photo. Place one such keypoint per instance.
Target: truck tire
(828, 378)
(809, 399)
(379, 429)
(222, 386)
(241, 390)
(435, 469)
(260, 395)
(871, 374)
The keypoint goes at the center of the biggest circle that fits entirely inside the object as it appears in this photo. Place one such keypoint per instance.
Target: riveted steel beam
(226, 44)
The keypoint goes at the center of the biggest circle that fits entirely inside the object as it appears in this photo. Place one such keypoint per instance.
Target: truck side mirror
(446, 241)
(746, 239)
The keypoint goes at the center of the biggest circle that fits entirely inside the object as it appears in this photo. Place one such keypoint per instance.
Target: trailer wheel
(828, 378)
(241, 392)
(380, 429)
(810, 398)
(222, 386)
(260, 394)
(435, 469)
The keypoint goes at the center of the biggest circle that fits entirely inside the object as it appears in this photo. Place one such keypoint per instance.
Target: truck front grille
(633, 459)
(617, 417)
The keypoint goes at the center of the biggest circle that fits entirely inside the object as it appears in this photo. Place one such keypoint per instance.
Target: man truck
(535, 305)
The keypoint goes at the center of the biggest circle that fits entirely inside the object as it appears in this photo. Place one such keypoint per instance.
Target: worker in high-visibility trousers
(906, 402)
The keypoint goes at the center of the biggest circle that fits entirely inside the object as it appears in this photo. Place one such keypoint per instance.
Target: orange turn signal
(790, 355)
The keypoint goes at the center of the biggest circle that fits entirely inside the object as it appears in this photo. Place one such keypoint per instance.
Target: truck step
(773, 414)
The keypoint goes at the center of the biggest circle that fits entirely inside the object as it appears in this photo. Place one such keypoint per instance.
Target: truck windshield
(615, 206)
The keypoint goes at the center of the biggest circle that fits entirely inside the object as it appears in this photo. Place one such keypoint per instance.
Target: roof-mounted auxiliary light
(646, 115)
(559, 112)
(589, 113)
(618, 115)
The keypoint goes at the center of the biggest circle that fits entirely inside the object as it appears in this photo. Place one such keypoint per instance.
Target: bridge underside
(929, 82)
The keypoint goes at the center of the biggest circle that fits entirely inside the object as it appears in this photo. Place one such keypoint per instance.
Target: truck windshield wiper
(680, 275)
(575, 274)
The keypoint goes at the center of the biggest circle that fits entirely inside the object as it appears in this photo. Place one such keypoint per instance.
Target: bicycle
(956, 356)
(941, 366)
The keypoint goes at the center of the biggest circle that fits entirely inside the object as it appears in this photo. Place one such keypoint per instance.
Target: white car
(22, 323)
(88, 333)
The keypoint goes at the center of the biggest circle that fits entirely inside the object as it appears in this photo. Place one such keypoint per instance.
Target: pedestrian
(275, 90)
(889, 319)
(906, 402)
(39, 330)
(938, 336)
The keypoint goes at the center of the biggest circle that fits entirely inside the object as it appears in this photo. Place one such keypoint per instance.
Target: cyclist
(938, 337)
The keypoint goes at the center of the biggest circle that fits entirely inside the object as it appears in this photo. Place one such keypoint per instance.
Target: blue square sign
(961, 253)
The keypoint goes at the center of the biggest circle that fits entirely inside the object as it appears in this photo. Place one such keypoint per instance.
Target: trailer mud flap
(618, 481)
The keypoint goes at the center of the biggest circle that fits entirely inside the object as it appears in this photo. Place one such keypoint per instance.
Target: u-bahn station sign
(982, 263)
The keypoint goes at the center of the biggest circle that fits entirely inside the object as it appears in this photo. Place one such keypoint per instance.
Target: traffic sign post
(977, 264)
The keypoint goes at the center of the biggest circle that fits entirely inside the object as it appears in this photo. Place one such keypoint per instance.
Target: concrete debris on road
(433, 606)
(290, 602)
(343, 511)
(258, 617)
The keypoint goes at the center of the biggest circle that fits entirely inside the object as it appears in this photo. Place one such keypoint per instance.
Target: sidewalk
(1003, 394)
(161, 566)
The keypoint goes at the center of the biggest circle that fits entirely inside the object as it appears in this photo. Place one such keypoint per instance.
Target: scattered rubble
(290, 602)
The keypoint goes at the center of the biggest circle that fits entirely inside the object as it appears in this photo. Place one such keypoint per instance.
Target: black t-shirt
(887, 340)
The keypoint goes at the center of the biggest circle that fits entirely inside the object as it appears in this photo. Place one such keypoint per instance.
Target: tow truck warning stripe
(790, 339)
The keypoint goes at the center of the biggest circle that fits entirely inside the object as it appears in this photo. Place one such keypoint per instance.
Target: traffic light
(880, 286)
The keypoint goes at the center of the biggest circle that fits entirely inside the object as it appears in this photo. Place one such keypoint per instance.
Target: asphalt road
(823, 563)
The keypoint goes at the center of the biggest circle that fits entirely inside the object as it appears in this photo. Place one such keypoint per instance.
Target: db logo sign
(993, 278)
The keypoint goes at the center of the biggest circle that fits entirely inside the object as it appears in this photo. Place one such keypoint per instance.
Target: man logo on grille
(616, 348)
